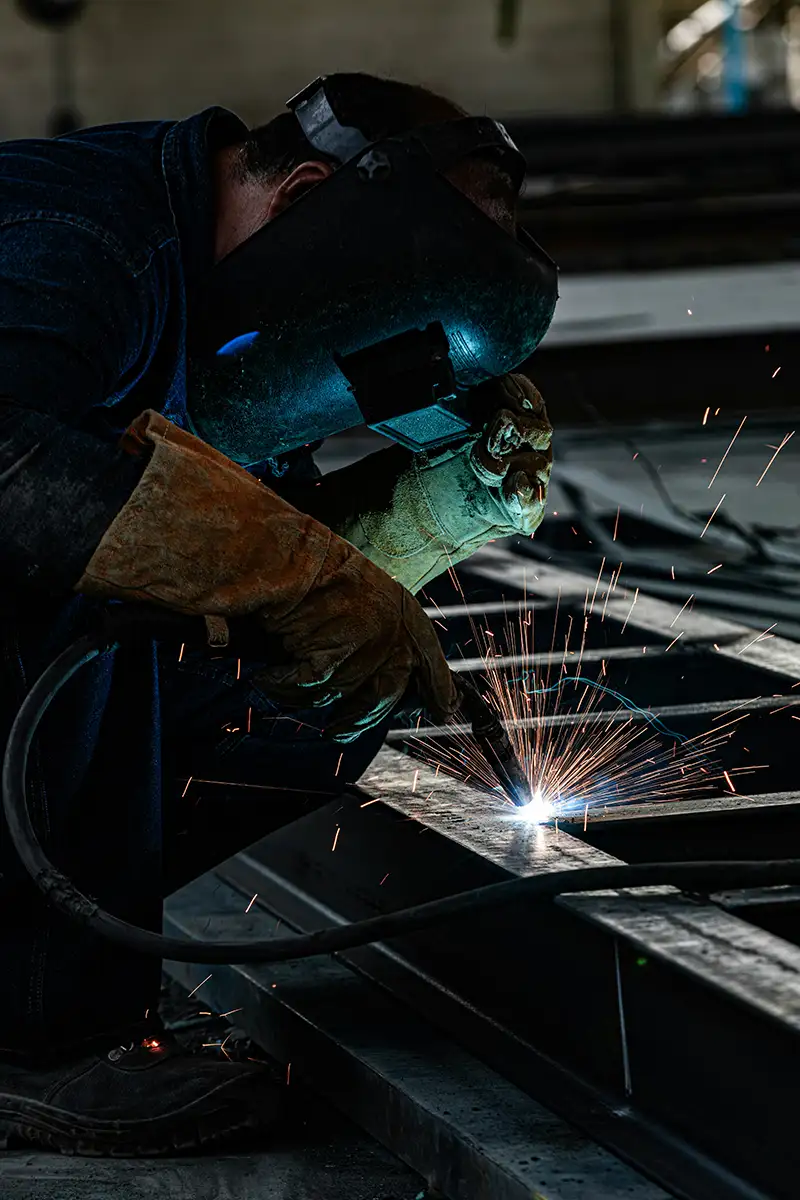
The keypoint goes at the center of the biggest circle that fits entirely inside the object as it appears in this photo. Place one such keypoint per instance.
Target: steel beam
(717, 806)
(466, 1130)
(633, 1015)
(626, 1013)
(535, 580)
(671, 714)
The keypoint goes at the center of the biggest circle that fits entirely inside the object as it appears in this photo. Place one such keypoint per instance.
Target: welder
(186, 309)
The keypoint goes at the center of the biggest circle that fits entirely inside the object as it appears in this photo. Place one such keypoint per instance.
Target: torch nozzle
(495, 744)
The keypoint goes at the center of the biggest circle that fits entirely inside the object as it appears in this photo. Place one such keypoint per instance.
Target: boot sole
(31, 1122)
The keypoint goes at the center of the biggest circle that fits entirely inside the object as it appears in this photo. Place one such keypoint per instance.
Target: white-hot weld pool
(539, 810)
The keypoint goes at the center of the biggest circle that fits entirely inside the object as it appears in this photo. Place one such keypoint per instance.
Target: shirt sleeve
(74, 319)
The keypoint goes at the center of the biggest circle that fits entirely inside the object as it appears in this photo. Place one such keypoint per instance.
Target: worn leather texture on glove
(415, 515)
(202, 536)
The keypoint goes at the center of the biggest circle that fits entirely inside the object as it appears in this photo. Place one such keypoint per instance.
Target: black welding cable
(701, 877)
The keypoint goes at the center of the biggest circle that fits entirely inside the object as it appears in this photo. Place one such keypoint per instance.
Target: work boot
(147, 1096)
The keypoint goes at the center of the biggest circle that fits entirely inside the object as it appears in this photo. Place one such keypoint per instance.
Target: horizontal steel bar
(754, 898)
(667, 713)
(775, 655)
(608, 654)
(474, 610)
(682, 808)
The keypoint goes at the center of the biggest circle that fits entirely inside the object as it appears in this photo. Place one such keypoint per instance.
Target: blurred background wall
(152, 58)
(129, 59)
(662, 140)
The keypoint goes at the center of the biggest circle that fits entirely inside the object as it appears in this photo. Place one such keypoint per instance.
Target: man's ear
(296, 184)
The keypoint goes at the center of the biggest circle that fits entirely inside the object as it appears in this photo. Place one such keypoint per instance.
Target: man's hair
(378, 107)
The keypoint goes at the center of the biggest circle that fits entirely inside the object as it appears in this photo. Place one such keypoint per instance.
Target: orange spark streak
(727, 452)
(729, 781)
(597, 584)
(611, 585)
(335, 838)
(339, 763)
(728, 711)
(183, 647)
(616, 523)
(684, 606)
(714, 513)
(185, 790)
(262, 787)
(757, 639)
(630, 610)
(775, 455)
(252, 902)
(197, 989)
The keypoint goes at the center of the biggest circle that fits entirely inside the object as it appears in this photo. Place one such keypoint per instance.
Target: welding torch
(494, 743)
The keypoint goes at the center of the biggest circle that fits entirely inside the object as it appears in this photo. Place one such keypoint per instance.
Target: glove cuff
(201, 535)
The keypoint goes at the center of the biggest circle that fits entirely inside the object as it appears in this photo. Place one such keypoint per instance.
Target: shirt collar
(186, 158)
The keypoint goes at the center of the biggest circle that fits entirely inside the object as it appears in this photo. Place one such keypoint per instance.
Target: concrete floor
(322, 1159)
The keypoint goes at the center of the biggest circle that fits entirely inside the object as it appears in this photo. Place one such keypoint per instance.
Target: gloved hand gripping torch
(122, 623)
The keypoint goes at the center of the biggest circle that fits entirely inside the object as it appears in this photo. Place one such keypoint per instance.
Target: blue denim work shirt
(103, 234)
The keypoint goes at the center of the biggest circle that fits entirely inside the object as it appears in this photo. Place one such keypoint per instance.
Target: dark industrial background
(663, 147)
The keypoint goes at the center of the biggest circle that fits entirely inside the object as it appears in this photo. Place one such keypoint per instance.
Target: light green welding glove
(415, 515)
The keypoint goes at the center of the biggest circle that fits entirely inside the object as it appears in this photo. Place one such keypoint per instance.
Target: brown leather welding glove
(202, 536)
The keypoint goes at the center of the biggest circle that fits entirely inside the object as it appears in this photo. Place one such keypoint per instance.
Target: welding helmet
(379, 297)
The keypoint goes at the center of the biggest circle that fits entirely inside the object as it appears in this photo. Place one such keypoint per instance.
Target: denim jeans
(107, 789)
